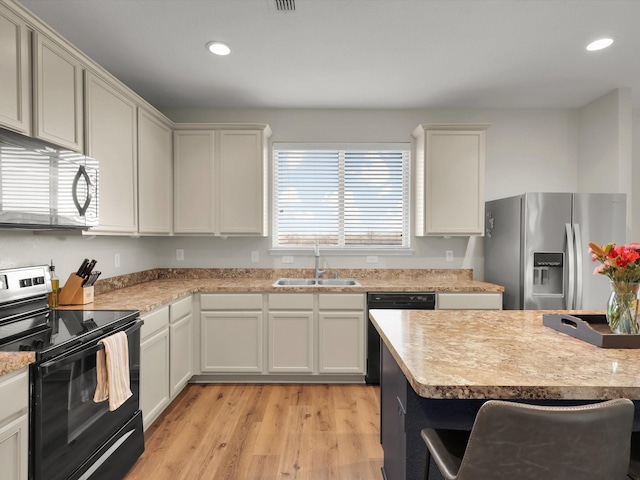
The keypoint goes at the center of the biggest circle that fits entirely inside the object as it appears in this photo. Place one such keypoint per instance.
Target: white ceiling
(358, 53)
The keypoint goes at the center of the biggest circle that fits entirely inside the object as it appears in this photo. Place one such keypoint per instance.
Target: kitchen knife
(92, 279)
(87, 280)
(84, 264)
(89, 268)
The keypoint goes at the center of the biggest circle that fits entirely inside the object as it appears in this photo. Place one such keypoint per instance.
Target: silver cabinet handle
(82, 172)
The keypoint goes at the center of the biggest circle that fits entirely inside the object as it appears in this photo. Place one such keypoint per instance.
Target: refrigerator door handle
(569, 298)
(578, 252)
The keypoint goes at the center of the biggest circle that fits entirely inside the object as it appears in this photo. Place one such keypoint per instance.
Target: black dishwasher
(390, 300)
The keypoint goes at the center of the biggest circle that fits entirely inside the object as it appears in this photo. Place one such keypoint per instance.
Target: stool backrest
(514, 440)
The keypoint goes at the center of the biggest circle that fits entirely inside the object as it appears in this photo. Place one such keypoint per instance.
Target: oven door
(67, 426)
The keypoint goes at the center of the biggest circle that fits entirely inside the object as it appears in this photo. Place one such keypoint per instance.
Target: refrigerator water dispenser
(548, 273)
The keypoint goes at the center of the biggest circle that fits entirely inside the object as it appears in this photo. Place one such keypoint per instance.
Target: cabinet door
(15, 94)
(194, 207)
(341, 342)
(57, 90)
(455, 169)
(154, 376)
(450, 167)
(469, 301)
(181, 343)
(242, 183)
(14, 449)
(111, 123)
(231, 342)
(155, 174)
(290, 342)
(393, 410)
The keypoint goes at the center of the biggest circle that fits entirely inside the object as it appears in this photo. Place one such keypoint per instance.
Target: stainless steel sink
(338, 282)
(295, 282)
(316, 282)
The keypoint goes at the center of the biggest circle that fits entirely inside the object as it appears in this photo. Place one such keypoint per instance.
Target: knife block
(73, 293)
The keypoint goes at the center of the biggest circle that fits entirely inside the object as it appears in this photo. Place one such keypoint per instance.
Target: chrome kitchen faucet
(319, 272)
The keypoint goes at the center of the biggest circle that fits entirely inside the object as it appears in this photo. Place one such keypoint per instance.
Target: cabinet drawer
(249, 301)
(291, 301)
(341, 301)
(180, 309)
(14, 393)
(154, 321)
(469, 301)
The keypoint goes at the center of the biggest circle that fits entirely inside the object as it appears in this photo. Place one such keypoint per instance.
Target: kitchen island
(439, 367)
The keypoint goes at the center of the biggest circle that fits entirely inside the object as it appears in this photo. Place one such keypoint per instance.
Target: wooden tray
(590, 328)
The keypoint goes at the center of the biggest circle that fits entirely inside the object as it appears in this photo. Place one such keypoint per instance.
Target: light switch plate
(116, 260)
(448, 255)
(254, 256)
(287, 259)
(372, 259)
(180, 254)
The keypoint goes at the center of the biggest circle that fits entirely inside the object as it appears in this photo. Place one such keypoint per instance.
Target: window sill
(328, 251)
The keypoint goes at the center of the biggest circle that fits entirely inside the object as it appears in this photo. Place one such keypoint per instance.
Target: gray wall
(527, 150)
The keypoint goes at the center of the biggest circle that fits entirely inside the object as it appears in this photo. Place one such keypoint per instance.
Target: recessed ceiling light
(219, 48)
(600, 44)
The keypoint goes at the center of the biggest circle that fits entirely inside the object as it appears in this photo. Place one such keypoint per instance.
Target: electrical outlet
(287, 259)
(448, 255)
(372, 259)
(116, 260)
(255, 258)
(180, 254)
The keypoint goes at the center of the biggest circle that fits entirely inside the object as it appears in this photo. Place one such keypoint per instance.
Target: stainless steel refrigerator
(537, 246)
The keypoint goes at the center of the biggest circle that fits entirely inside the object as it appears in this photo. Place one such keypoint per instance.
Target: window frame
(404, 249)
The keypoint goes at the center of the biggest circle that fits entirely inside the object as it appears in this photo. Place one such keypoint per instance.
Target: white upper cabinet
(15, 93)
(155, 173)
(194, 207)
(57, 94)
(111, 126)
(242, 191)
(220, 179)
(449, 196)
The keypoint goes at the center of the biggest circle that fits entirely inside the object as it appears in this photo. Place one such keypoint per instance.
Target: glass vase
(622, 307)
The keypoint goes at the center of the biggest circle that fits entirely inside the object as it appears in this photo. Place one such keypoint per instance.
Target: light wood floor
(265, 432)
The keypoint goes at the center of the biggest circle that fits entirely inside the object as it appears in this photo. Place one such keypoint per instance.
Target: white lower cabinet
(231, 333)
(291, 333)
(14, 425)
(341, 333)
(154, 365)
(305, 336)
(469, 301)
(180, 344)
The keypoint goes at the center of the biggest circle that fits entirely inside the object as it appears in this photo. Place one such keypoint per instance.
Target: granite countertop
(12, 361)
(149, 290)
(505, 354)
(153, 294)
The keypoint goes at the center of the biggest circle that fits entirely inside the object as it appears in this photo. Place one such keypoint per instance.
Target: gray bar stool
(512, 440)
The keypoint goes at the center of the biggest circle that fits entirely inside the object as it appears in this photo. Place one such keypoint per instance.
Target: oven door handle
(82, 352)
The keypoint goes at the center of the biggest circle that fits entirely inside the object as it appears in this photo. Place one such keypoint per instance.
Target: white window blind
(355, 197)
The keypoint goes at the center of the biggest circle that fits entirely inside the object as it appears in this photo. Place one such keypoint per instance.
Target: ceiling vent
(285, 5)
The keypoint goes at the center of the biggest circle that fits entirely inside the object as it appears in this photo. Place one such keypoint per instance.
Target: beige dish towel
(112, 367)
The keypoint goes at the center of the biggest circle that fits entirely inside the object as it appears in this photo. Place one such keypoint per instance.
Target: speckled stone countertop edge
(555, 367)
(12, 361)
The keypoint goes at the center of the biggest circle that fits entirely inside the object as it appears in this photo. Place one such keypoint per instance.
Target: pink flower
(599, 269)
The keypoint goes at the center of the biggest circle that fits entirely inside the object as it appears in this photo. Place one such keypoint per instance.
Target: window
(355, 197)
